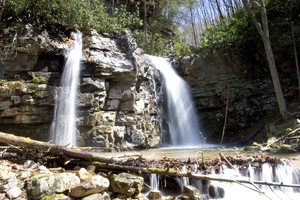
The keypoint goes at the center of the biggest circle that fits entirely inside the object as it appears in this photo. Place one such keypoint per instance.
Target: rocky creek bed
(33, 173)
(32, 169)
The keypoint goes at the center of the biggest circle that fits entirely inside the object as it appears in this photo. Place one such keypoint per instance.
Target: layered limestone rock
(218, 78)
(116, 102)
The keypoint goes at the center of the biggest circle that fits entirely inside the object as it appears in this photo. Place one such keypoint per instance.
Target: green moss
(2, 81)
(256, 144)
(36, 80)
(53, 196)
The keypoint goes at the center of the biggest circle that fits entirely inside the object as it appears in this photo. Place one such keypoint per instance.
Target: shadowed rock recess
(116, 101)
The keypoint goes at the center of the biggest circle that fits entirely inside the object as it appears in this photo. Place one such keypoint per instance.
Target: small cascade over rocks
(154, 183)
(182, 118)
(268, 173)
(63, 128)
(232, 178)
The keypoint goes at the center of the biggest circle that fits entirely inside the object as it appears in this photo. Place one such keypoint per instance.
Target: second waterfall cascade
(63, 128)
(182, 116)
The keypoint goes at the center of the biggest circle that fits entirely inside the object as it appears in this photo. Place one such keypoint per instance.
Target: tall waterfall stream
(63, 128)
(181, 112)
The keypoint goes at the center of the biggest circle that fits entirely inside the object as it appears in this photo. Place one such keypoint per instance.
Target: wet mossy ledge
(116, 105)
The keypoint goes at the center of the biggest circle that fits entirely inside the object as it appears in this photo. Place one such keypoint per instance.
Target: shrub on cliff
(81, 14)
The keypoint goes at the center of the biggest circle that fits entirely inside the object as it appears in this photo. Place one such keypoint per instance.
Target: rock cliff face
(220, 77)
(116, 102)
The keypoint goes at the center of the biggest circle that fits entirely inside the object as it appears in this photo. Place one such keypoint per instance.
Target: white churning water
(182, 116)
(267, 173)
(279, 173)
(63, 128)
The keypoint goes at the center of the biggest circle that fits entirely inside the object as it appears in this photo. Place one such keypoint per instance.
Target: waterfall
(63, 128)
(182, 116)
(280, 173)
(154, 184)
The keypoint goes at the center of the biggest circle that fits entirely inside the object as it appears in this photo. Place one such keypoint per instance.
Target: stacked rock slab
(116, 102)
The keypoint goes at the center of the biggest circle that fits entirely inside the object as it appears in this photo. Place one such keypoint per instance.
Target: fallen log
(172, 172)
(53, 148)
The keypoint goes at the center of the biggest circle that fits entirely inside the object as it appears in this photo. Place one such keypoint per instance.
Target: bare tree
(296, 58)
(295, 49)
(263, 30)
(219, 9)
(193, 22)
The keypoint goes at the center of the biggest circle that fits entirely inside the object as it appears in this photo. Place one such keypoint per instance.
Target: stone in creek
(216, 192)
(95, 184)
(154, 194)
(126, 184)
(191, 192)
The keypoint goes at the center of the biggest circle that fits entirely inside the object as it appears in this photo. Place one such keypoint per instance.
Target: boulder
(191, 192)
(93, 185)
(13, 192)
(47, 184)
(84, 174)
(216, 192)
(154, 194)
(126, 184)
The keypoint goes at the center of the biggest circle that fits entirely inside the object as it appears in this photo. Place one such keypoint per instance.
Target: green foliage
(181, 49)
(228, 33)
(154, 44)
(81, 14)
(239, 31)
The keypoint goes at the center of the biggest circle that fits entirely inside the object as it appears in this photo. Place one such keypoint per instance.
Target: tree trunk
(226, 115)
(53, 148)
(193, 23)
(168, 172)
(145, 21)
(275, 78)
(263, 30)
(219, 10)
(295, 50)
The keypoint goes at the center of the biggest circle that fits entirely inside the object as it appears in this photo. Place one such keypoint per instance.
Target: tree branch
(252, 16)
